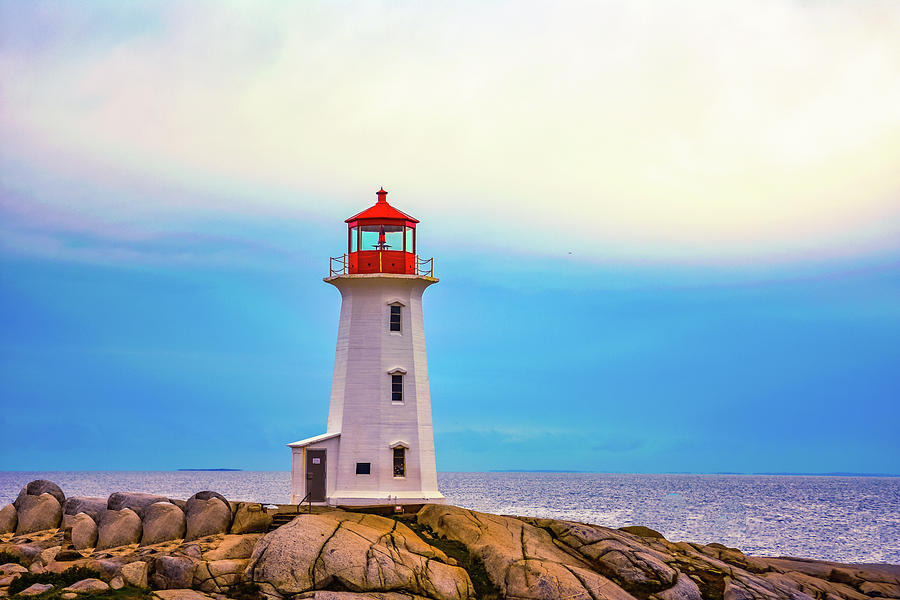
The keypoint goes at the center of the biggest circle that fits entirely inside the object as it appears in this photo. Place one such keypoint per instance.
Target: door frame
(323, 453)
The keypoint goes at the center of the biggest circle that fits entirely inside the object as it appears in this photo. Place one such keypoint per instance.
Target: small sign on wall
(317, 461)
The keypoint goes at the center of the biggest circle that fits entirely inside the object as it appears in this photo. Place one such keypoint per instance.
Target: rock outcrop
(250, 517)
(207, 514)
(364, 553)
(136, 501)
(84, 531)
(442, 553)
(163, 521)
(38, 487)
(119, 528)
(8, 519)
(95, 507)
(37, 513)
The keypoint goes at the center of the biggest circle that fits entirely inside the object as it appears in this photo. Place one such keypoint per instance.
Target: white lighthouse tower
(379, 445)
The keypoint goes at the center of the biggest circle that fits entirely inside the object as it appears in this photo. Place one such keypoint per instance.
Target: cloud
(641, 131)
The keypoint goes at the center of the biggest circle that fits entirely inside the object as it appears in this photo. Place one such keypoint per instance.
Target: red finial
(382, 195)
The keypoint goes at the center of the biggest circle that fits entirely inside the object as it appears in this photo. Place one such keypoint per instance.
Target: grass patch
(484, 587)
(9, 557)
(66, 578)
(245, 590)
(126, 593)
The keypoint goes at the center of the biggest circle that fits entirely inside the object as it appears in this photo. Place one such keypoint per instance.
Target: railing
(308, 499)
(338, 265)
(425, 266)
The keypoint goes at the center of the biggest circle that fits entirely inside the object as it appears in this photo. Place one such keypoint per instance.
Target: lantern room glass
(382, 237)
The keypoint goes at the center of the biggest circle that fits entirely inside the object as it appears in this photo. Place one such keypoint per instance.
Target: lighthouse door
(315, 475)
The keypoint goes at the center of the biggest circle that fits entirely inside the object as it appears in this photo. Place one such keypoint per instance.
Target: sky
(668, 234)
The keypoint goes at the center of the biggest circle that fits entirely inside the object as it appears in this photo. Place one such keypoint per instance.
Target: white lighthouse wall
(361, 407)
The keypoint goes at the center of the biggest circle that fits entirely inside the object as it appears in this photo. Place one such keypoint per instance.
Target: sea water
(846, 519)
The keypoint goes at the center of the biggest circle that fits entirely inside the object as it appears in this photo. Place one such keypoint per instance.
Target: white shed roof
(313, 440)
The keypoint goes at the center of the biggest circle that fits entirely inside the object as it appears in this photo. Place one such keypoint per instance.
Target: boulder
(364, 553)
(521, 560)
(117, 582)
(8, 519)
(329, 595)
(250, 517)
(118, 528)
(622, 557)
(163, 521)
(135, 573)
(87, 585)
(12, 569)
(95, 507)
(234, 546)
(182, 594)
(84, 531)
(206, 495)
(37, 513)
(38, 487)
(136, 501)
(48, 555)
(68, 595)
(219, 575)
(207, 517)
(35, 589)
(173, 572)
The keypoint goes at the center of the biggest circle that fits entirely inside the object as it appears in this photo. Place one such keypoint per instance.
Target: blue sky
(650, 260)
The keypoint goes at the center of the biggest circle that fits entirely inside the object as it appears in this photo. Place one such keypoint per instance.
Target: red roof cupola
(382, 210)
(381, 239)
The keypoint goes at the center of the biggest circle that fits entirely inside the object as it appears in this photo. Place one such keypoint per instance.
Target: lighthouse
(379, 444)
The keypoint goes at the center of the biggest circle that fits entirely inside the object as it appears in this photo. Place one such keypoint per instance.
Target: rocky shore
(133, 546)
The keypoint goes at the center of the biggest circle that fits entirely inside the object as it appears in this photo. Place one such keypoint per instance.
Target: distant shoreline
(209, 469)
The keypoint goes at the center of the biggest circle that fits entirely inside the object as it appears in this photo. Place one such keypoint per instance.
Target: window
(354, 239)
(363, 468)
(400, 462)
(395, 318)
(396, 388)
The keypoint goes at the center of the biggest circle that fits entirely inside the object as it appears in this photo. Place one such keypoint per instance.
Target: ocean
(846, 519)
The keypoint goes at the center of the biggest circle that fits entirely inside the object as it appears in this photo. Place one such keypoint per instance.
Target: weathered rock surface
(173, 572)
(38, 487)
(135, 573)
(207, 517)
(249, 517)
(8, 519)
(163, 521)
(37, 513)
(84, 531)
(87, 585)
(183, 594)
(35, 589)
(234, 546)
(119, 528)
(522, 560)
(640, 564)
(341, 555)
(358, 552)
(218, 576)
(328, 595)
(206, 495)
(95, 507)
(136, 501)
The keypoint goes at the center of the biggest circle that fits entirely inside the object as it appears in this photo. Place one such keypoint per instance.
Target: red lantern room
(381, 239)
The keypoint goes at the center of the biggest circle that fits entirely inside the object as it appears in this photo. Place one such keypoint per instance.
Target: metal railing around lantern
(425, 266)
(338, 265)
